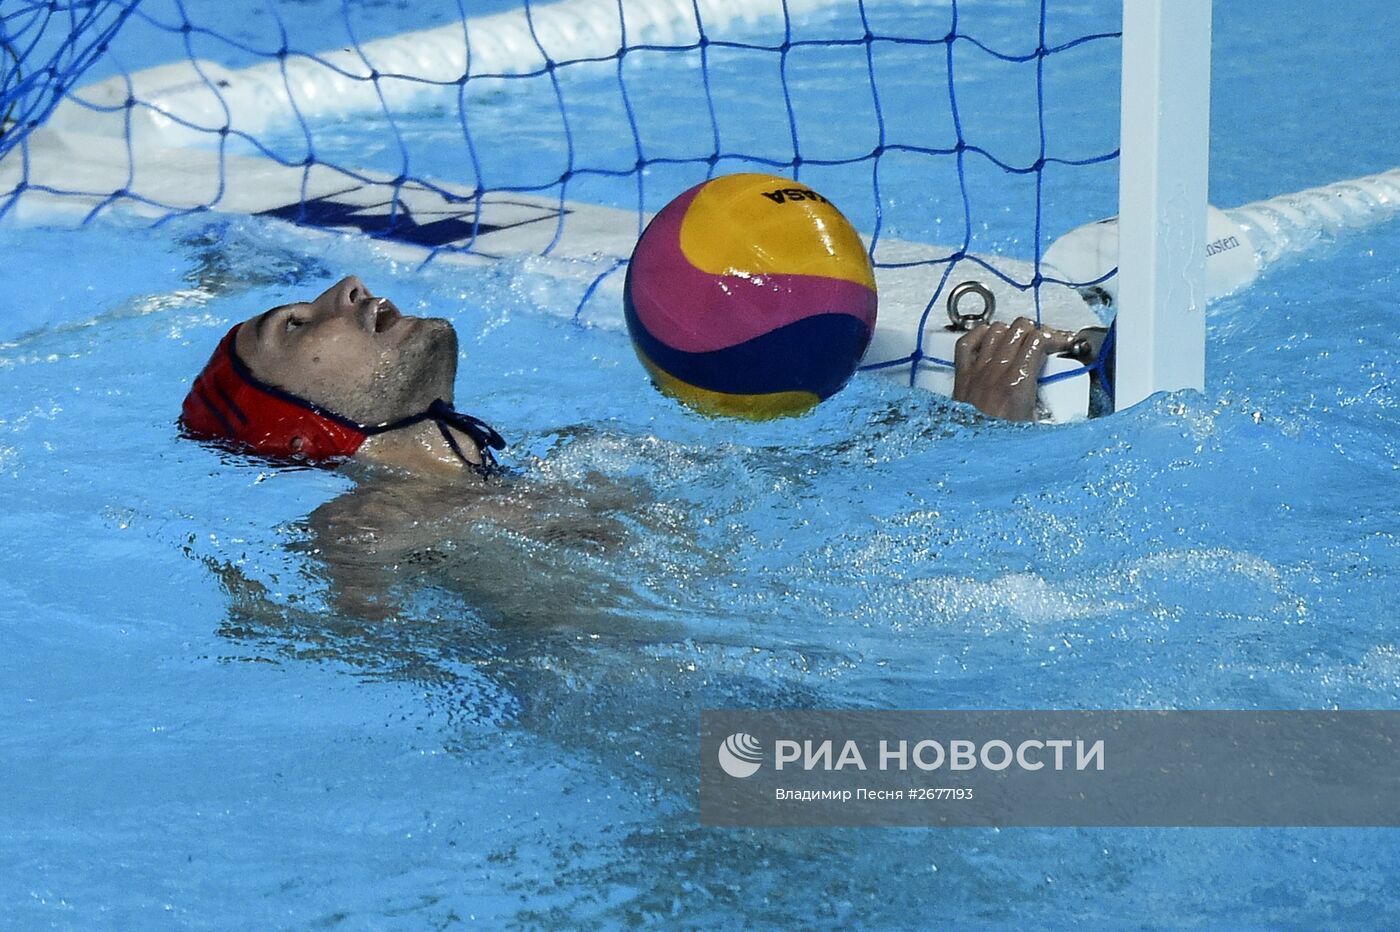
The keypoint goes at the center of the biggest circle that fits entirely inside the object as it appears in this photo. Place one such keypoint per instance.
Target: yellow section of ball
(753, 225)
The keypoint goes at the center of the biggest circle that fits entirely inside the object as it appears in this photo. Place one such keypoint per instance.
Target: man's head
(307, 378)
(352, 353)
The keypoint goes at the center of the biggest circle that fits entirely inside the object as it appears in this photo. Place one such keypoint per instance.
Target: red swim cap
(228, 403)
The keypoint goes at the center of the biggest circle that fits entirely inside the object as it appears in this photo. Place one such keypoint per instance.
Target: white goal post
(1162, 199)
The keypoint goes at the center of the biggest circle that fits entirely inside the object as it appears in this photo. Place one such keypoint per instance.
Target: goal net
(961, 138)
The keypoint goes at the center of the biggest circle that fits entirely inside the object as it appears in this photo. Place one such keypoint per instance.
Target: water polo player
(345, 375)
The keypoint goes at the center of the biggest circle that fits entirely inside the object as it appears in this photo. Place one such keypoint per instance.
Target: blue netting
(45, 48)
(979, 126)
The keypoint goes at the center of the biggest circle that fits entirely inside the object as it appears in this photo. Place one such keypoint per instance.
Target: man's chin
(431, 349)
(440, 328)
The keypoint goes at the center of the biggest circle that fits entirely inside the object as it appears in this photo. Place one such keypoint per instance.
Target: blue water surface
(206, 725)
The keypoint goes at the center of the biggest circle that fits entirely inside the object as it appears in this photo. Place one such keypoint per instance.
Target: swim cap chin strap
(228, 403)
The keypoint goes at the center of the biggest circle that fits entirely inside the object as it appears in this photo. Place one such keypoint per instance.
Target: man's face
(353, 353)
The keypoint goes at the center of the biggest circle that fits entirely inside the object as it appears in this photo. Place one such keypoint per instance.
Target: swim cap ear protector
(228, 403)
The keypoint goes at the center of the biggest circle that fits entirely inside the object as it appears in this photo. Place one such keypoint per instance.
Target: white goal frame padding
(194, 98)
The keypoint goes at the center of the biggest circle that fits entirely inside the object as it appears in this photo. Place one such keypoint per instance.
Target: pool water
(221, 709)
